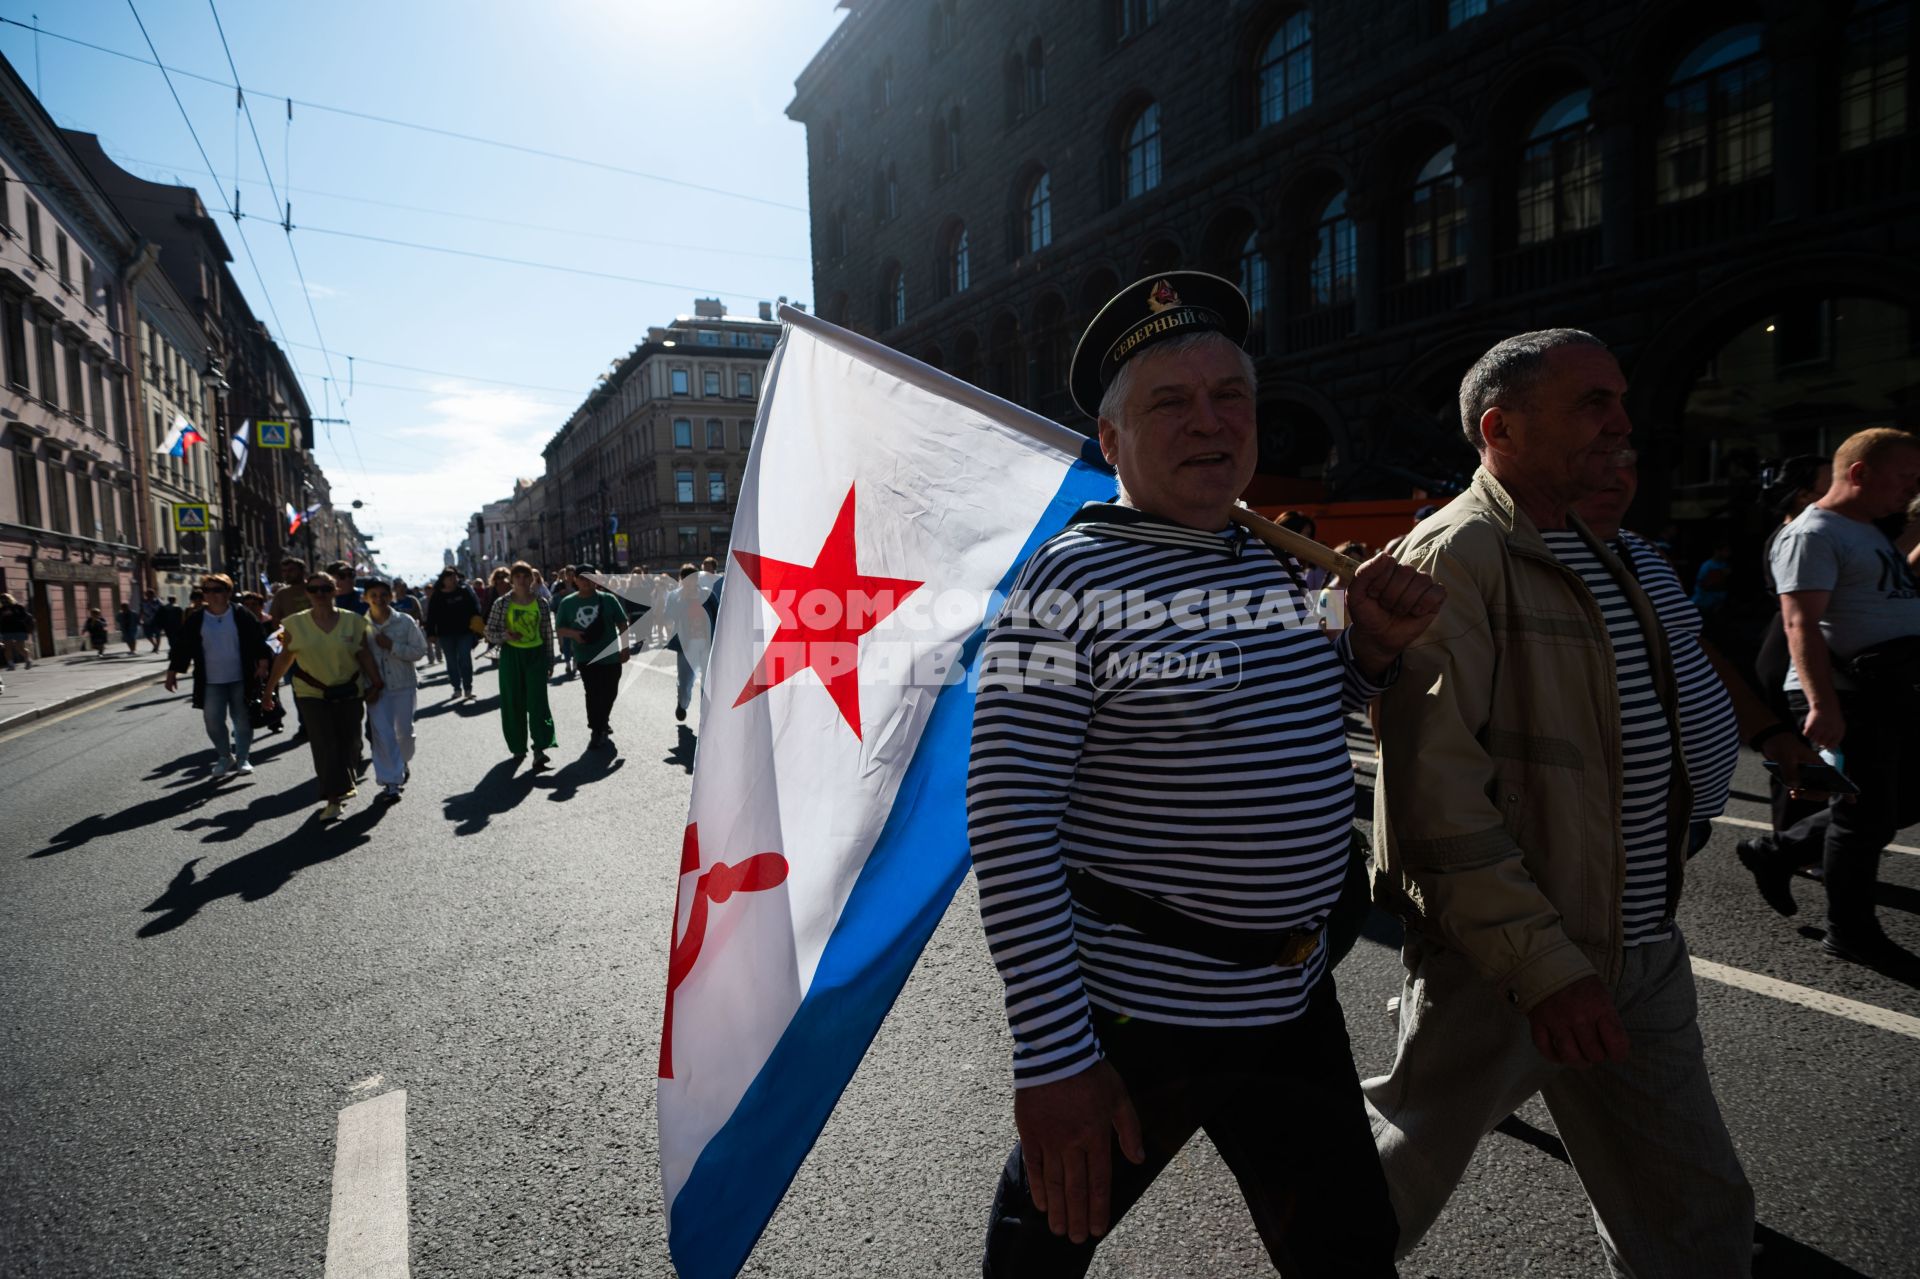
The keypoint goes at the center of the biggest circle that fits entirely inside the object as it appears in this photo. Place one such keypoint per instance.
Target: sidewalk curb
(10, 722)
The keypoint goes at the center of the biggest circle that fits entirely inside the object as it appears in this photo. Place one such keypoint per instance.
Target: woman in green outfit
(520, 625)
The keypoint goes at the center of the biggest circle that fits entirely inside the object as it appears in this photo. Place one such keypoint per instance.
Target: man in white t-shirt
(1847, 598)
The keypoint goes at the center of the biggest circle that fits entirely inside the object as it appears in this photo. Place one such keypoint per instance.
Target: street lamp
(216, 381)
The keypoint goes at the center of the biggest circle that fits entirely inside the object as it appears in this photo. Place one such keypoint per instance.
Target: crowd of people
(1168, 870)
(353, 659)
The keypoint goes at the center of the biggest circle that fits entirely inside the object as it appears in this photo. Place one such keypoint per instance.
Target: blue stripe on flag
(916, 865)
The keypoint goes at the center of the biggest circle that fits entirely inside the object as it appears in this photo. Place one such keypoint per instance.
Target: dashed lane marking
(1807, 997)
(367, 1227)
(1750, 824)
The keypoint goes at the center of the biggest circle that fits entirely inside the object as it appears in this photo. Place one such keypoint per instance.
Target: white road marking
(1749, 824)
(1806, 997)
(369, 1083)
(367, 1228)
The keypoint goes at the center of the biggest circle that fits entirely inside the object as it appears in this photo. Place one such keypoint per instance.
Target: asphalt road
(198, 980)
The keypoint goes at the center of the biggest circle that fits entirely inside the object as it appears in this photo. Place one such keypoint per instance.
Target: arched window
(839, 233)
(832, 143)
(892, 309)
(946, 142)
(939, 146)
(1131, 17)
(880, 87)
(940, 26)
(886, 193)
(956, 271)
(1285, 74)
(1039, 222)
(1873, 74)
(1051, 347)
(1559, 186)
(1140, 152)
(1026, 81)
(1436, 219)
(966, 357)
(1253, 283)
(1330, 274)
(1007, 360)
(1716, 129)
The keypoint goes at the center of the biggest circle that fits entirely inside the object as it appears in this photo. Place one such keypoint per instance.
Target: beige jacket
(1497, 809)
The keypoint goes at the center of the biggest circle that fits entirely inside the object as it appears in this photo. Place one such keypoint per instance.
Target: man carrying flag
(1160, 803)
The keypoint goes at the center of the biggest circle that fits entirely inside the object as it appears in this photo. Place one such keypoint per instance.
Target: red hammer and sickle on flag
(719, 882)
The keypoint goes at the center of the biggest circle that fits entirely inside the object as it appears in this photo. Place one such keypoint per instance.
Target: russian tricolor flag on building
(180, 437)
(885, 508)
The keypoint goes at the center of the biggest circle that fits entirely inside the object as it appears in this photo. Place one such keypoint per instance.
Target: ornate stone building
(1726, 193)
(646, 471)
(69, 511)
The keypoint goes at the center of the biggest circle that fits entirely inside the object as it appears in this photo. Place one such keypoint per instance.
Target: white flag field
(885, 511)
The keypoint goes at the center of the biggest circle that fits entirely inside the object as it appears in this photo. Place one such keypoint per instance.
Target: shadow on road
(1776, 1257)
(262, 872)
(682, 752)
(583, 771)
(231, 824)
(497, 792)
(154, 812)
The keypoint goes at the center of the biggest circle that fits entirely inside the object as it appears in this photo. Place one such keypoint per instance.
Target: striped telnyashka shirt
(1709, 732)
(1157, 707)
(1646, 745)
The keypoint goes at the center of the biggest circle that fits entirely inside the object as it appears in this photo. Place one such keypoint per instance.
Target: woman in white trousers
(397, 642)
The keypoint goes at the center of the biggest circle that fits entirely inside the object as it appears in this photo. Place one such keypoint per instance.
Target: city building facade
(182, 500)
(69, 507)
(1725, 193)
(250, 379)
(646, 471)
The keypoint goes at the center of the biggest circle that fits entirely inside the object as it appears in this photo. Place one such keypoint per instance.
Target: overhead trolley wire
(393, 122)
(481, 217)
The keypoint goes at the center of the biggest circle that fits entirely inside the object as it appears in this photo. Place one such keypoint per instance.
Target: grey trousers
(1645, 1136)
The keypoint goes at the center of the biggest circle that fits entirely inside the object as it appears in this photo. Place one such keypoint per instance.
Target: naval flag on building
(884, 506)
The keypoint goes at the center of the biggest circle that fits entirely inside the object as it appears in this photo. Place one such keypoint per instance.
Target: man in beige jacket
(1531, 814)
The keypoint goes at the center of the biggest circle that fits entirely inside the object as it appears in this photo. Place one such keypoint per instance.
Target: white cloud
(317, 290)
(426, 478)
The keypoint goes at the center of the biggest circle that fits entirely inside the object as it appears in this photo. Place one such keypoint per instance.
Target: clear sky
(690, 91)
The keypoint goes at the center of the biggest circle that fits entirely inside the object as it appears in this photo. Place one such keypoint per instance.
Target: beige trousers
(1645, 1136)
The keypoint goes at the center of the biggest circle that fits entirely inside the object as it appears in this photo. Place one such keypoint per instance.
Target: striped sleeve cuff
(1356, 689)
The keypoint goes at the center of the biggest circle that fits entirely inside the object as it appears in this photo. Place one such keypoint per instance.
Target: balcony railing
(1418, 299)
(1871, 174)
(1537, 266)
(1317, 328)
(1706, 219)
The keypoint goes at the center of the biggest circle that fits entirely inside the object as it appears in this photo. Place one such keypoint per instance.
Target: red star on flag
(824, 609)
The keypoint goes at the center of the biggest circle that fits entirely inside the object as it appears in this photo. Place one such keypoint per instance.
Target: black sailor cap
(1151, 310)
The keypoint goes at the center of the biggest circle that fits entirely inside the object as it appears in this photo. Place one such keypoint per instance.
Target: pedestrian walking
(1851, 610)
(404, 600)
(1159, 919)
(328, 652)
(1716, 706)
(1531, 814)
(690, 636)
(565, 586)
(346, 594)
(16, 632)
(451, 612)
(520, 625)
(168, 618)
(129, 623)
(227, 649)
(96, 628)
(397, 644)
(149, 625)
(595, 621)
(291, 597)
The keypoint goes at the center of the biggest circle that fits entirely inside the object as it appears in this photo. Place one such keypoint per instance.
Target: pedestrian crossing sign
(274, 435)
(189, 517)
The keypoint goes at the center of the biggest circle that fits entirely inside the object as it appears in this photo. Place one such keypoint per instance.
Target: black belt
(1161, 923)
